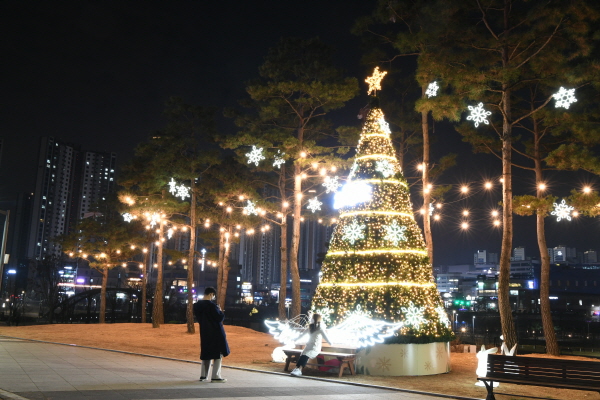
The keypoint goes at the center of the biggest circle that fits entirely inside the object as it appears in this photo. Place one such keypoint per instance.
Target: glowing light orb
(352, 193)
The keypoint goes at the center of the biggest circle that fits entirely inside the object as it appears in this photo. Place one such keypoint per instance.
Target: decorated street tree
(377, 263)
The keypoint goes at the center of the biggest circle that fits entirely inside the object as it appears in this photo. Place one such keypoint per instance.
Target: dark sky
(99, 73)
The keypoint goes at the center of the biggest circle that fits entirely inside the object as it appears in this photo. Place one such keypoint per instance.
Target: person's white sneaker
(218, 380)
(296, 372)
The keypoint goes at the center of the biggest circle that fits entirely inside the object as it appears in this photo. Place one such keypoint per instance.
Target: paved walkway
(33, 370)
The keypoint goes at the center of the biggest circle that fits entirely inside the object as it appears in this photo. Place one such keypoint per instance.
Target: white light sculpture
(169, 233)
(413, 316)
(255, 156)
(564, 97)
(278, 159)
(385, 127)
(172, 186)
(250, 208)
(442, 315)
(314, 204)
(562, 211)
(352, 193)
(353, 170)
(395, 233)
(385, 167)
(331, 184)
(353, 232)
(431, 209)
(178, 190)
(478, 114)
(432, 89)
(128, 217)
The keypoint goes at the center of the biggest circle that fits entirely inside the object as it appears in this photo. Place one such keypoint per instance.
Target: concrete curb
(245, 369)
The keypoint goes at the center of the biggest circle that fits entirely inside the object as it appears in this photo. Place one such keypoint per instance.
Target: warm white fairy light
(385, 167)
(353, 232)
(314, 205)
(250, 208)
(255, 156)
(395, 233)
(562, 211)
(488, 185)
(464, 189)
(279, 159)
(465, 213)
(542, 186)
(464, 225)
(478, 115)
(564, 97)
(331, 184)
(352, 193)
(128, 217)
(587, 189)
(432, 89)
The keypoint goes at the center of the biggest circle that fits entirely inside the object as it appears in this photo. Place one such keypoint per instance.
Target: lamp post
(473, 328)
(203, 251)
(3, 248)
(454, 320)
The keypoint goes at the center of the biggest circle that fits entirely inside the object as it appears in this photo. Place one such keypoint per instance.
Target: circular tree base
(404, 359)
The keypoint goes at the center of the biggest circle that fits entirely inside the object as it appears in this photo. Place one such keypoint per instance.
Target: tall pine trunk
(294, 269)
(545, 311)
(224, 267)
(191, 265)
(283, 249)
(426, 190)
(506, 318)
(158, 316)
(144, 286)
(102, 316)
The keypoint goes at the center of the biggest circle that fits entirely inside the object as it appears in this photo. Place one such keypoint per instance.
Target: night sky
(99, 73)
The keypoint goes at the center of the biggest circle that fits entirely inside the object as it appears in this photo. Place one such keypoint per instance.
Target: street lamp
(3, 247)
(203, 251)
(473, 327)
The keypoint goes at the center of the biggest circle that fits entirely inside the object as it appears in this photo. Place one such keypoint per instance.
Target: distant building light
(11, 271)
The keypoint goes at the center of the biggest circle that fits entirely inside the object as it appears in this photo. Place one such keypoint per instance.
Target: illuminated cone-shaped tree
(377, 260)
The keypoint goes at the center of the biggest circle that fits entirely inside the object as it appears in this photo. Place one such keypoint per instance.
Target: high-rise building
(69, 181)
(519, 254)
(562, 254)
(590, 257)
(480, 257)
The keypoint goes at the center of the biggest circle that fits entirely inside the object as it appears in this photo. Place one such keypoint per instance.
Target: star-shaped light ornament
(385, 127)
(314, 205)
(562, 211)
(395, 233)
(331, 184)
(385, 167)
(413, 316)
(128, 217)
(255, 156)
(478, 114)
(278, 159)
(432, 89)
(353, 232)
(250, 208)
(374, 81)
(564, 97)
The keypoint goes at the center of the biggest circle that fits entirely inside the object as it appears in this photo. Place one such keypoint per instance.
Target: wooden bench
(345, 359)
(549, 372)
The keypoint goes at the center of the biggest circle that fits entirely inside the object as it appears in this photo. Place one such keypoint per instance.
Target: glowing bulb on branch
(465, 213)
(464, 189)
(464, 225)
(542, 186)
(488, 185)
(436, 217)
(587, 189)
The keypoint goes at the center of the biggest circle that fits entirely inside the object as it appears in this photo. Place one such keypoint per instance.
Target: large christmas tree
(377, 261)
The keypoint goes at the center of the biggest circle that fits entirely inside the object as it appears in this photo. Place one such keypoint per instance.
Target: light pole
(3, 248)
(203, 251)
(454, 320)
(473, 327)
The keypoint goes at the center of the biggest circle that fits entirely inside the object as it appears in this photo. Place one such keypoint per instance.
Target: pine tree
(377, 261)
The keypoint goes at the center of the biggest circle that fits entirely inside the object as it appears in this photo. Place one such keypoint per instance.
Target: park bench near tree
(548, 372)
(345, 356)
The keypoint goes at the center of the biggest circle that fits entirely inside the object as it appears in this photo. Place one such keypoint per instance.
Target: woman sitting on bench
(313, 345)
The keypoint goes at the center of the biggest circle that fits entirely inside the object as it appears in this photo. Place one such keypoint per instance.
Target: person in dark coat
(213, 341)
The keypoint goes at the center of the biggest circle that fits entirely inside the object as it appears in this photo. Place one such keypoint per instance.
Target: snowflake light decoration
(432, 89)
(325, 314)
(331, 184)
(353, 232)
(564, 97)
(385, 167)
(562, 211)
(255, 156)
(385, 127)
(413, 316)
(172, 186)
(353, 169)
(170, 233)
(442, 315)
(279, 159)
(478, 114)
(250, 208)
(154, 219)
(314, 205)
(183, 192)
(395, 233)
(431, 209)
(128, 217)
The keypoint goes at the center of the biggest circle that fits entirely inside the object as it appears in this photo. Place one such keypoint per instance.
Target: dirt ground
(251, 349)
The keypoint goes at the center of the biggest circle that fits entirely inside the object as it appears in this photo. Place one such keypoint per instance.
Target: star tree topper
(374, 81)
